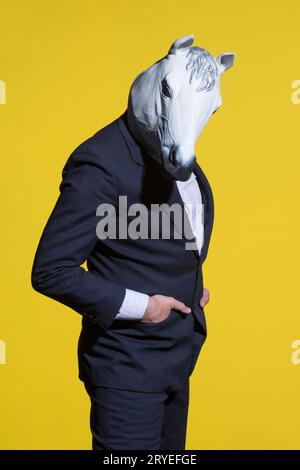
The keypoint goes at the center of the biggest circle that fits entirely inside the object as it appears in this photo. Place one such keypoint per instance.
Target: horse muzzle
(173, 165)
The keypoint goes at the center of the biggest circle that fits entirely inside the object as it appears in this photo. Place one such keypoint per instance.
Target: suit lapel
(134, 147)
(208, 203)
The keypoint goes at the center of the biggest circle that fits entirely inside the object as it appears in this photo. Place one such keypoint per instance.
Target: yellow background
(68, 66)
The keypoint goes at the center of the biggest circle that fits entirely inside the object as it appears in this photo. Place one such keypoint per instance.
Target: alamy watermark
(2, 92)
(137, 221)
(295, 357)
(295, 97)
(2, 352)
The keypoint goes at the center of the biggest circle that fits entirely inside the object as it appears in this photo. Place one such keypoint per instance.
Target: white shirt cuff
(133, 306)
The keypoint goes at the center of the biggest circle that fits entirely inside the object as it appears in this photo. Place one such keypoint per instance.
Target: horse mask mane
(170, 103)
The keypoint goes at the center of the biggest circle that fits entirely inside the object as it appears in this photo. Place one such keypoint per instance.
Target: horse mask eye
(165, 89)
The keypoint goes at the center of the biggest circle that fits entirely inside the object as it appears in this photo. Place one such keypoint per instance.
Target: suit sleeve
(68, 239)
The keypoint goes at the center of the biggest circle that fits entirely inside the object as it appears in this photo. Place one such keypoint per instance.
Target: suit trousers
(132, 420)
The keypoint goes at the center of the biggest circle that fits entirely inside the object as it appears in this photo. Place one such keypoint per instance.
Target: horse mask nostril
(173, 155)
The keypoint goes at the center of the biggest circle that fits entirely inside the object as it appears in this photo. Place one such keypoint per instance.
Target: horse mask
(170, 103)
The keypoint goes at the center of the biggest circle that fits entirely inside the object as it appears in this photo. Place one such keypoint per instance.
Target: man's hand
(160, 306)
(205, 298)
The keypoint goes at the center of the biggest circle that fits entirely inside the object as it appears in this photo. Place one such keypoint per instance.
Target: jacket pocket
(157, 324)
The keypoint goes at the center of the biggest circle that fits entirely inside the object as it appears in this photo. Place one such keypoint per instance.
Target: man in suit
(141, 299)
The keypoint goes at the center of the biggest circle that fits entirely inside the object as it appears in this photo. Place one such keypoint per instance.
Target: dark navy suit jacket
(122, 353)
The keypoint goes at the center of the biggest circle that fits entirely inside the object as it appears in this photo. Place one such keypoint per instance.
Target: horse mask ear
(225, 61)
(181, 43)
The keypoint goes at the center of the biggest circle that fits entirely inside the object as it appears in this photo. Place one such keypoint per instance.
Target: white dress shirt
(135, 303)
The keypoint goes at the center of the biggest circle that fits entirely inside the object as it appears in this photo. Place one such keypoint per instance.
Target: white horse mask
(170, 103)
